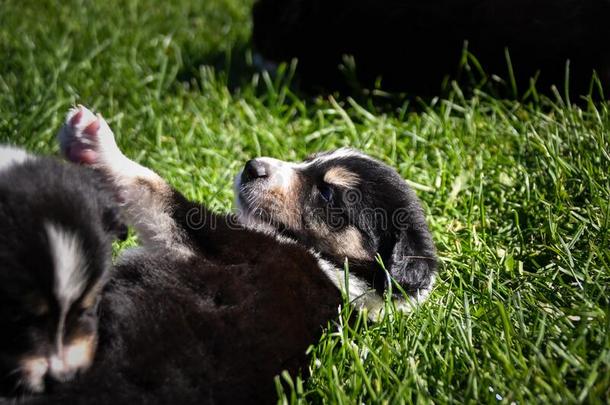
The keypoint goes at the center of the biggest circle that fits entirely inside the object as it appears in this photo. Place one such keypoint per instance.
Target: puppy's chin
(244, 212)
(249, 219)
(33, 371)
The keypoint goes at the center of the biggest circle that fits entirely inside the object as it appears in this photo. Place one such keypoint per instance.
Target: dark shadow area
(388, 52)
(412, 46)
(234, 67)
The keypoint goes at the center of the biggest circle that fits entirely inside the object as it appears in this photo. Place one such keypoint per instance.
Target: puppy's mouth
(249, 212)
(243, 199)
(44, 371)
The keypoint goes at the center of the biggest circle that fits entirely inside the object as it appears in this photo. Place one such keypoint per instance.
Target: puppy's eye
(88, 313)
(326, 192)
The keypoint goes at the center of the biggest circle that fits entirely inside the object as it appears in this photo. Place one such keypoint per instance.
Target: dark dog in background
(414, 44)
(57, 223)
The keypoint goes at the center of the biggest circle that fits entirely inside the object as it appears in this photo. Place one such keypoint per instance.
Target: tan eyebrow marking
(341, 177)
(349, 244)
(91, 296)
(345, 243)
(79, 353)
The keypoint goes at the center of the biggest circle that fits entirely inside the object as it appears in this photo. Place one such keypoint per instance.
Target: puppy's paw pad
(85, 137)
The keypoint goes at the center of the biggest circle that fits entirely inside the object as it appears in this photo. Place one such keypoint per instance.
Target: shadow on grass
(234, 67)
(242, 67)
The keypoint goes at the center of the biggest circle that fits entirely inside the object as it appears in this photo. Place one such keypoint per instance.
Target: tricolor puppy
(56, 228)
(210, 308)
(344, 205)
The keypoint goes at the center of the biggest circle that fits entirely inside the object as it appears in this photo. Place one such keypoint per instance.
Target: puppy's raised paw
(86, 138)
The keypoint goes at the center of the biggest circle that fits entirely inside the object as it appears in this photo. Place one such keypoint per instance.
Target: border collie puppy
(344, 205)
(56, 228)
(208, 310)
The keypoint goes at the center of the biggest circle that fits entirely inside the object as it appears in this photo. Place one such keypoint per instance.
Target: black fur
(39, 191)
(414, 44)
(389, 215)
(381, 207)
(219, 325)
(215, 328)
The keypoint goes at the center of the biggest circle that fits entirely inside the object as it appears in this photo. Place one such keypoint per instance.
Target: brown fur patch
(79, 352)
(153, 185)
(345, 243)
(283, 205)
(90, 298)
(340, 176)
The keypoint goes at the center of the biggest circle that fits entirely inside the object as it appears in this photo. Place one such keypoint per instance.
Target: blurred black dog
(414, 44)
(57, 223)
(210, 308)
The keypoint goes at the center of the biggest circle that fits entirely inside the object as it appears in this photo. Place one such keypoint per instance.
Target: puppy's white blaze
(346, 152)
(283, 172)
(69, 262)
(10, 156)
(338, 154)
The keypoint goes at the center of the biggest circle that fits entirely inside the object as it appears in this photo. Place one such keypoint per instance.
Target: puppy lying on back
(210, 308)
(56, 228)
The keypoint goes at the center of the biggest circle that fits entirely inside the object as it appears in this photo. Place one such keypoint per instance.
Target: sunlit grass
(517, 193)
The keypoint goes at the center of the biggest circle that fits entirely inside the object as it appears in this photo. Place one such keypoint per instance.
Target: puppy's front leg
(146, 198)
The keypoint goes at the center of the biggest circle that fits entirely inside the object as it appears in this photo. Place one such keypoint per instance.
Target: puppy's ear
(113, 224)
(412, 262)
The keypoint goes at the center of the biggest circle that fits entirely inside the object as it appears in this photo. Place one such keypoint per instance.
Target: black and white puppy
(210, 308)
(344, 205)
(57, 224)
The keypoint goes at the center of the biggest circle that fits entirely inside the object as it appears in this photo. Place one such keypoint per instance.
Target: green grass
(517, 192)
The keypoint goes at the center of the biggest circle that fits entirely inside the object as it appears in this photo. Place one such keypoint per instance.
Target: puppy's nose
(254, 169)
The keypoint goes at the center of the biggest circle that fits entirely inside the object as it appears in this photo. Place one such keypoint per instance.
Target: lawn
(517, 193)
